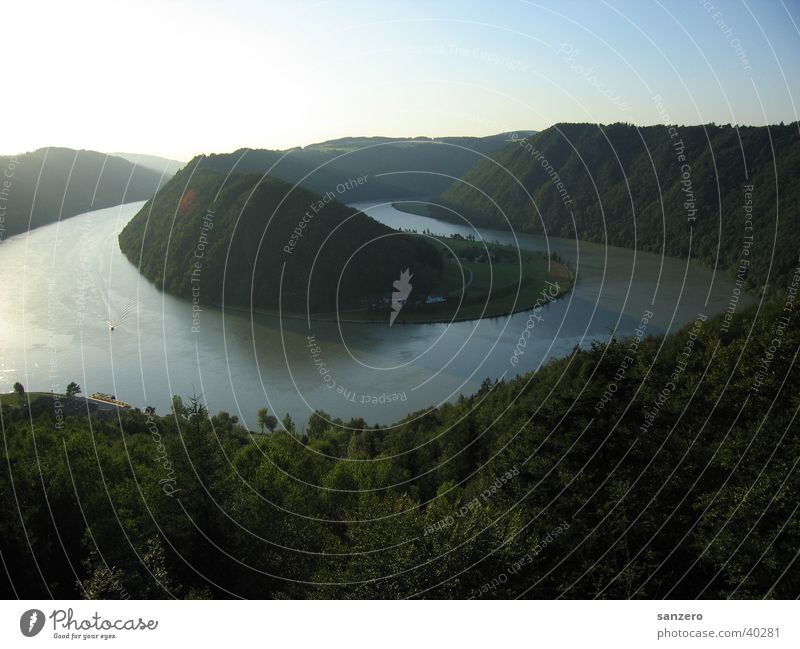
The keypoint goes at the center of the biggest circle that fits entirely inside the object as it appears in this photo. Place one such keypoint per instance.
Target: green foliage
(266, 420)
(261, 418)
(208, 237)
(72, 390)
(527, 479)
(318, 424)
(288, 424)
(178, 408)
(19, 388)
(628, 187)
(55, 183)
(384, 162)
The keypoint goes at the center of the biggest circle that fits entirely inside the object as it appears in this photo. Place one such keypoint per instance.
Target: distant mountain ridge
(679, 190)
(156, 163)
(54, 183)
(394, 167)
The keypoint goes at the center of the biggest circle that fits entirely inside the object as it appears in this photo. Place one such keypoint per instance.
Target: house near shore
(435, 299)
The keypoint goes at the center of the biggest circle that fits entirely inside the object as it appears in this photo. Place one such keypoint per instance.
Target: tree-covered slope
(250, 240)
(683, 485)
(395, 167)
(50, 184)
(653, 188)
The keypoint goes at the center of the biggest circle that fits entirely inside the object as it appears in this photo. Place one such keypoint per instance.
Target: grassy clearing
(14, 400)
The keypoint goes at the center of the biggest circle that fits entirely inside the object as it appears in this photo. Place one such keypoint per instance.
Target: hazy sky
(178, 78)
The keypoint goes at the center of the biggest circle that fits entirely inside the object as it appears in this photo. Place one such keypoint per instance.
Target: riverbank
(60, 404)
(157, 353)
(423, 208)
(480, 280)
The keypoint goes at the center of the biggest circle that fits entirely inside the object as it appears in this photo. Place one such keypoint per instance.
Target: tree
(196, 411)
(266, 420)
(18, 388)
(318, 423)
(73, 389)
(288, 423)
(261, 417)
(178, 407)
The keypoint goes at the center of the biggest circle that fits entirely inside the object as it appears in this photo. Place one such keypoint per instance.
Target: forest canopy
(506, 493)
(703, 192)
(251, 240)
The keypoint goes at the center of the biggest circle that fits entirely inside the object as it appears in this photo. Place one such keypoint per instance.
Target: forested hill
(250, 240)
(682, 485)
(397, 167)
(649, 188)
(156, 163)
(50, 184)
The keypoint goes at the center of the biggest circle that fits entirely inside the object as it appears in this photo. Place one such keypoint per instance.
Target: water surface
(65, 280)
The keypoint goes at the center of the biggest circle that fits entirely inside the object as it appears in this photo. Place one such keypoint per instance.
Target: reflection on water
(66, 282)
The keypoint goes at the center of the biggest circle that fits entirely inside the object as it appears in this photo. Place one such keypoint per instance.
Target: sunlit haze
(178, 78)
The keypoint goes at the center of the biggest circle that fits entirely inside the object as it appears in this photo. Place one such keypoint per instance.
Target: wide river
(62, 282)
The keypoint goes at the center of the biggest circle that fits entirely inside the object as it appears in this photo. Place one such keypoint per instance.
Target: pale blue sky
(179, 78)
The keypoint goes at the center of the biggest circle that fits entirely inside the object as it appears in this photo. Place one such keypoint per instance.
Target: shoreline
(333, 319)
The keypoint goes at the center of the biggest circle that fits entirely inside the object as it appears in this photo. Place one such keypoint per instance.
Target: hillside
(153, 162)
(649, 188)
(396, 167)
(211, 238)
(50, 184)
(525, 489)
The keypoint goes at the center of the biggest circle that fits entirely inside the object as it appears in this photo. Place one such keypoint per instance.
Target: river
(62, 282)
